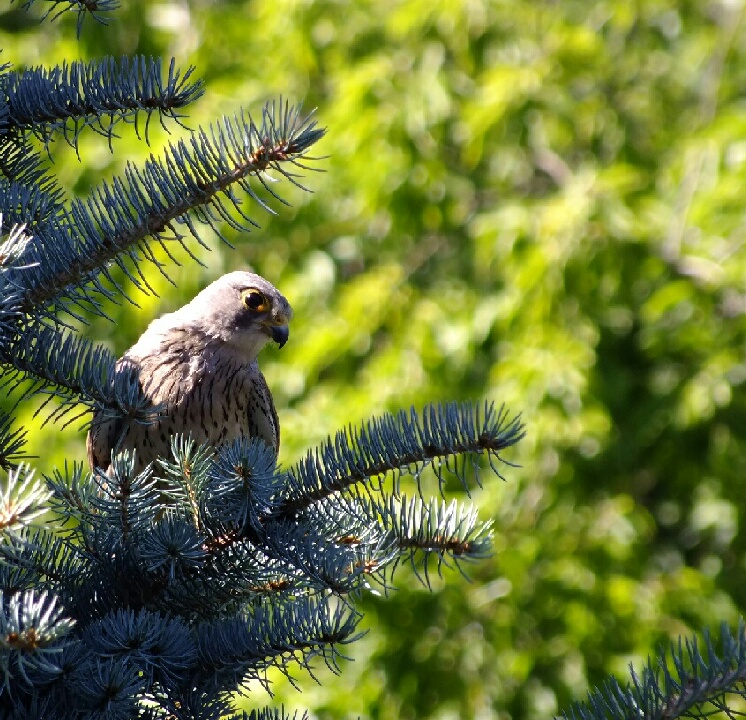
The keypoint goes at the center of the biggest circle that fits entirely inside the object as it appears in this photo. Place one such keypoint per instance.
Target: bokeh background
(535, 202)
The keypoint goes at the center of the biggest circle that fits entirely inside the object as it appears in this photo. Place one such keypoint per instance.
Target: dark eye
(254, 300)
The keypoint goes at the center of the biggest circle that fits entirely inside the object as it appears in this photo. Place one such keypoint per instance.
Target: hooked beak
(279, 333)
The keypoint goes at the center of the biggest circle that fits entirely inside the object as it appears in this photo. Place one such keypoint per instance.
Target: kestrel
(200, 365)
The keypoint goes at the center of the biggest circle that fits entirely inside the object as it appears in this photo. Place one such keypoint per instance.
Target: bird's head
(243, 310)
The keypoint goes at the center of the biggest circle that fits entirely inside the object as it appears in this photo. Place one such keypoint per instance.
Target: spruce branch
(277, 634)
(189, 704)
(385, 530)
(99, 94)
(242, 484)
(126, 499)
(72, 494)
(15, 578)
(108, 687)
(205, 595)
(72, 370)
(693, 679)
(22, 500)
(186, 478)
(160, 648)
(335, 538)
(11, 443)
(29, 204)
(41, 554)
(254, 589)
(13, 248)
(93, 8)
(323, 565)
(271, 714)
(33, 628)
(402, 443)
(174, 547)
(450, 532)
(114, 534)
(200, 175)
(22, 167)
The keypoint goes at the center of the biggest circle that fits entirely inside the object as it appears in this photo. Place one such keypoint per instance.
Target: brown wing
(261, 413)
(102, 436)
(105, 431)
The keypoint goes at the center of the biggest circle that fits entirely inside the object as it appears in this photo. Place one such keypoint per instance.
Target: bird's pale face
(243, 310)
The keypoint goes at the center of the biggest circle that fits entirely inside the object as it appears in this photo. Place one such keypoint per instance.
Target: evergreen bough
(120, 608)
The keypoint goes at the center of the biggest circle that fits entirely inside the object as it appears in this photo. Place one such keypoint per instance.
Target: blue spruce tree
(121, 607)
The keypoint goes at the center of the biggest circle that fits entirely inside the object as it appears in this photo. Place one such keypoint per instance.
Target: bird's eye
(254, 300)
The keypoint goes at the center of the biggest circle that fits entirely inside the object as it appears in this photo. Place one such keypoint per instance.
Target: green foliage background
(535, 202)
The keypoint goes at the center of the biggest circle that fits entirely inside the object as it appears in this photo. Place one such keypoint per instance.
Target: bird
(199, 366)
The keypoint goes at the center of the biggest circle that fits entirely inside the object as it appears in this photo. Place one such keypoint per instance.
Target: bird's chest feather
(213, 396)
(216, 390)
(205, 393)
